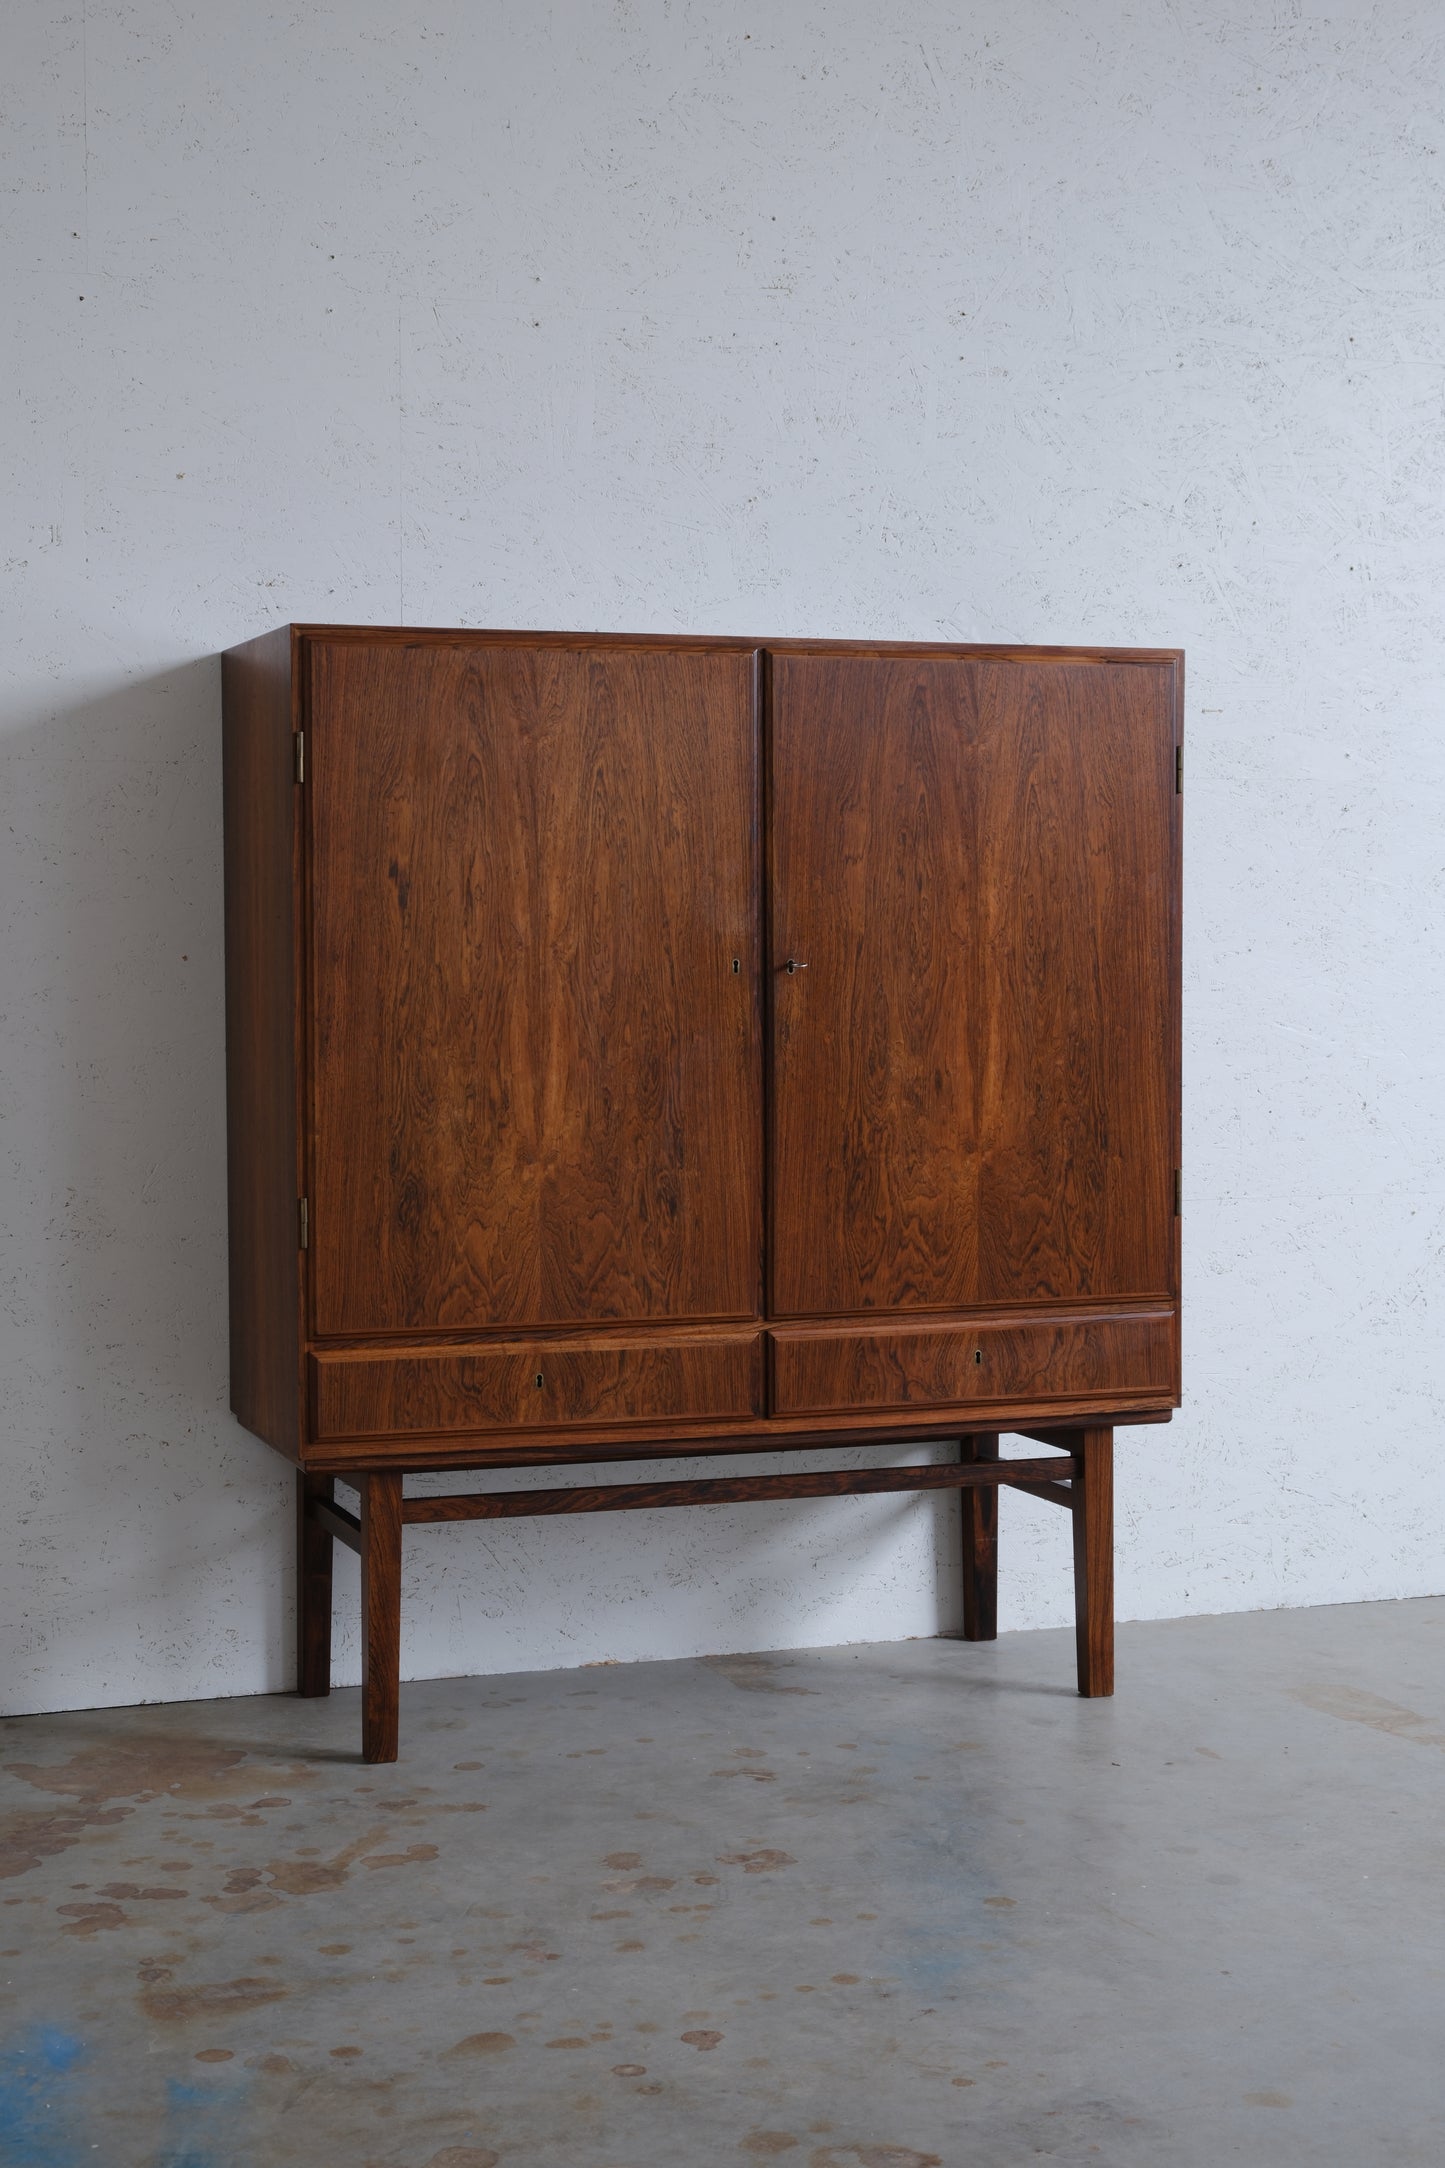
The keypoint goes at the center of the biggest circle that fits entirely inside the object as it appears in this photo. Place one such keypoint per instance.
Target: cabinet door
(974, 872)
(535, 1066)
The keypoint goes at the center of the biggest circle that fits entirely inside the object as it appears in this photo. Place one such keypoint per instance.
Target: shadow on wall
(152, 1554)
(151, 1523)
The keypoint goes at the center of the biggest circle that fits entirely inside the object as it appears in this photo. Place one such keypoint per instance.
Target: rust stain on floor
(331, 1963)
(151, 1766)
(213, 1998)
(873, 2156)
(26, 1840)
(304, 1877)
(485, 2043)
(754, 1674)
(92, 1919)
(1353, 1705)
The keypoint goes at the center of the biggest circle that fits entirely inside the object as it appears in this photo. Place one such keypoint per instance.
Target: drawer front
(519, 1385)
(828, 1370)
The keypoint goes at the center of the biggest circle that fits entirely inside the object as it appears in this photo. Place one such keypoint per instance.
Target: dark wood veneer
(631, 1441)
(261, 856)
(315, 1525)
(536, 1080)
(539, 1383)
(971, 1079)
(380, 1615)
(950, 1364)
(651, 1046)
(732, 1490)
(980, 1542)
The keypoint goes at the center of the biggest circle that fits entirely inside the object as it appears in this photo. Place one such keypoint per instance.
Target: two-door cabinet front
(651, 1045)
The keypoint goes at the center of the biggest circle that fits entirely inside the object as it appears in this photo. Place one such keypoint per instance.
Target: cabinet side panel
(1176, 1004)
(260, 877)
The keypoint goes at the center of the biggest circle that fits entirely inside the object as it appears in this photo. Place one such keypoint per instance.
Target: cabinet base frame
(1077, 1474)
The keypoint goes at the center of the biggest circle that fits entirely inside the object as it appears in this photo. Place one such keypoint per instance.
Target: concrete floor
(879, 1907)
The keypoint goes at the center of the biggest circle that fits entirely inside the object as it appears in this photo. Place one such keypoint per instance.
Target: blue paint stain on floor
(201, 2123)
(38, 2104)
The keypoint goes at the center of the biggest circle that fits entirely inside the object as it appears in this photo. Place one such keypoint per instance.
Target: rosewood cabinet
(659, 1047)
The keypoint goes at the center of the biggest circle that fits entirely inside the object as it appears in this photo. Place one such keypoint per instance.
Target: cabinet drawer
(947, 1364)
(519, 1384)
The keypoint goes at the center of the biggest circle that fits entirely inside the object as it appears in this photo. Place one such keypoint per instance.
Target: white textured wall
(1005, 320)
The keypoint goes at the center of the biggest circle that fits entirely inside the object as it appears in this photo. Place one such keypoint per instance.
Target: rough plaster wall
(1008, 321)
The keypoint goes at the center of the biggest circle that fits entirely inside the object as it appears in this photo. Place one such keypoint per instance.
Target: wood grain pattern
(948, 1363)
(1056, 1494)
(728, 643)
(533, 1383)
(537, 1092)
(974, 1084)
(313, 1586)
(507, 1038)
(343, 1525)
(1094, 1560)
(260, 856)
(715, 1490)
(684, 1439)
(979, 1508)
(380, 1616)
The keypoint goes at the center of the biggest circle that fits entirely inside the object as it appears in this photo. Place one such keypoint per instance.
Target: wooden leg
(380, 1615)
(1094, 1559)
(313, 1588)
(980, 1546)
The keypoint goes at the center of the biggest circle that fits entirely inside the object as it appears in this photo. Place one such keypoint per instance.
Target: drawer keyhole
(537, 1381)
(977, 1356)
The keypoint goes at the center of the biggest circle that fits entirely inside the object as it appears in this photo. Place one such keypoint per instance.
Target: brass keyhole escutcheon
(977, 1356)
(737, 963)
(537, 1380)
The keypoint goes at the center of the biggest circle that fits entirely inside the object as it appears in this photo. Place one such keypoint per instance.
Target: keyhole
(977, 1356)
(537, 1380)
(737, 963)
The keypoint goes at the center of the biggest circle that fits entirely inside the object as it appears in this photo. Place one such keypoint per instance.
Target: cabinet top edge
(467, 636)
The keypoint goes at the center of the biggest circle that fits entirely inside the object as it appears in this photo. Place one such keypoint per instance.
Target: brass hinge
(305, 1222)
(1177, 1189)
(299, 741)
(1178, 769)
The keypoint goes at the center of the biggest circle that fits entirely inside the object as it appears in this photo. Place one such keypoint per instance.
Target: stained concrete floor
(872, 1907)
